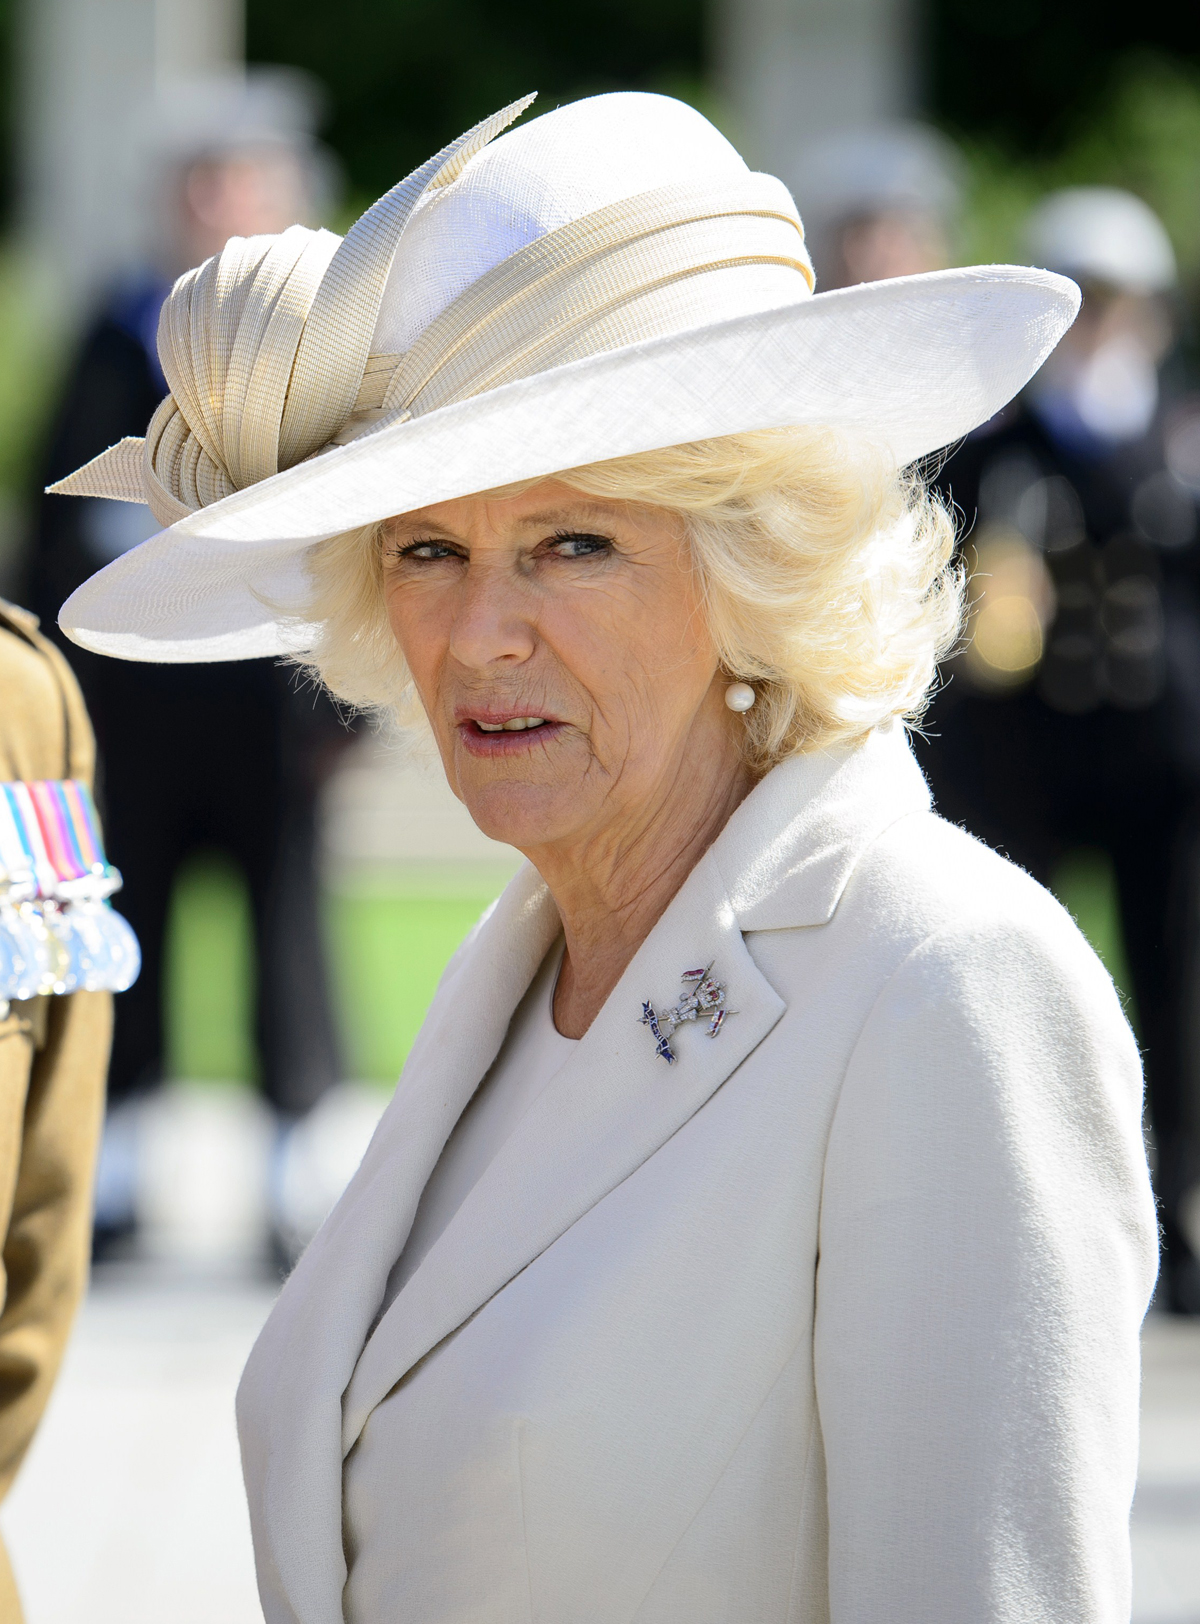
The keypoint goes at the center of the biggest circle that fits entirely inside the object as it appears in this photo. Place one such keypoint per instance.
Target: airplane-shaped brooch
(702, 994)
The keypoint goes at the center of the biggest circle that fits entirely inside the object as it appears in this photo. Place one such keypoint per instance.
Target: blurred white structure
(213, 1173)
(793, 71)
(203, 1177)
(389, 806)
(1166, 1511)
(319, 1157)
(89, 74)
(111, 93)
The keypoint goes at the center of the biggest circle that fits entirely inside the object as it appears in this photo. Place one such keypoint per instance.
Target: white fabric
(267, 346)
(538, 177)
(533, 1053)
(264, 348)
(849, 362)
(694, 328)
(834, 1321)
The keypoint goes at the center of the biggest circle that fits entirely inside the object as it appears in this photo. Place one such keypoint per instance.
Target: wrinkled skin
(585, 614)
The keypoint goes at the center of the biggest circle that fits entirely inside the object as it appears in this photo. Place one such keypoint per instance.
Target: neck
(612, 886)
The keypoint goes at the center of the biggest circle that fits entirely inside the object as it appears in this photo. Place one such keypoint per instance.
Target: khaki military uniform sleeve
(53, 1059)
(41, 710)
(53, 1065)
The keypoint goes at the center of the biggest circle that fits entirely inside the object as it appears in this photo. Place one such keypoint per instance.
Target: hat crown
(618, 220)
(534, 179)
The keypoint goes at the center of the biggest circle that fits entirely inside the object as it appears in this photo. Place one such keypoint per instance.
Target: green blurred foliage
(406, 76)
(1146, 136)
(31, 354)
(389, 952)
(209, 976)
(1086, 885)
(1143, 133)
(388, 947)
(1022, 74)
(390, 943)
(31, 347)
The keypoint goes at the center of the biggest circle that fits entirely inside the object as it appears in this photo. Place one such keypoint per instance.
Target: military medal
(702, 995)
(58, 931)
(22, 967)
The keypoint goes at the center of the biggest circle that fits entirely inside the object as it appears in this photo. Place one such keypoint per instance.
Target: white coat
(836, 1319)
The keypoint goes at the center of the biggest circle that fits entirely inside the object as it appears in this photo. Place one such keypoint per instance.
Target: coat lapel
(612, 1105)
(289, 1409)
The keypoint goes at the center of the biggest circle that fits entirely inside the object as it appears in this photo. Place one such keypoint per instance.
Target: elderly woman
(760, 1230)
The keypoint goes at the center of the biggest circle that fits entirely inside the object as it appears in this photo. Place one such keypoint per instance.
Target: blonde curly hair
(826, 574)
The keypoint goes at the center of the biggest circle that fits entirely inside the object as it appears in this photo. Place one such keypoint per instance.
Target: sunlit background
(129, 1509)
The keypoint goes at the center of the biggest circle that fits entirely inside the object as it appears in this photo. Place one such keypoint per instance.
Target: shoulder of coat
(21, 621)
(923, 876)
(22, 646)
(926, 877)
(44, 729)
(25, 627)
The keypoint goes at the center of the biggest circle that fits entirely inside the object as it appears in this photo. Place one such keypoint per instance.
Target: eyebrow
(566, 514)
(561, 515)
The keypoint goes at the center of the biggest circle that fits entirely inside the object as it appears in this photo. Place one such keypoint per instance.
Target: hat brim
(912, 364)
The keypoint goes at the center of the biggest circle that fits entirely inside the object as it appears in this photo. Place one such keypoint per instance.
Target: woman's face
(558, 646)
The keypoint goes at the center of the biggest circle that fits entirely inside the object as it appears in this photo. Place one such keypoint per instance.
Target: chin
(521, 815)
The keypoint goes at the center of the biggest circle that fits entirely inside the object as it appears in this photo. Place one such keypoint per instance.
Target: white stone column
(794, 70)
(88, 74)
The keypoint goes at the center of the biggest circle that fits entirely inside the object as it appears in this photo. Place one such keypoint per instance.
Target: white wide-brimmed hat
(607, 279)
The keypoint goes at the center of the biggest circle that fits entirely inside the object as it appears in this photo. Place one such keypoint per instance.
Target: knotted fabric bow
(266, 346)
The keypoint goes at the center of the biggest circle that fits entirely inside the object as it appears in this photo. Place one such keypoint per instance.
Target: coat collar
(319, 1368)
(789, 850)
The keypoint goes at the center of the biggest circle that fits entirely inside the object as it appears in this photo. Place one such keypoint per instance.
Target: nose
(493, 624)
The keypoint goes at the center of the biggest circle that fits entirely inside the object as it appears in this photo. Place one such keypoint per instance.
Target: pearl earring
(740, 696)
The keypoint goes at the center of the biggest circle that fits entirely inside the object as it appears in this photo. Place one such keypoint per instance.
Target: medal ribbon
(68, 938)
(15, 855)
(48, 827)
(82, 815)
(35, 842)
(55, 832)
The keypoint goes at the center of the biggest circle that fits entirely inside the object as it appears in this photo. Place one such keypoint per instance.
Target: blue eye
(573, 545)
(423, 550)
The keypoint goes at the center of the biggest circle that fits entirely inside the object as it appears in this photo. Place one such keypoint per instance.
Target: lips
(493, 733)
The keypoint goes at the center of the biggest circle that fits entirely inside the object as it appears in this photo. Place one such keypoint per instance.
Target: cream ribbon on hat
(266, 346)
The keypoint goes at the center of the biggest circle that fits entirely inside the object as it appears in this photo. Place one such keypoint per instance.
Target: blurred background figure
(878, 202)
(197, 757)
(1072, 717)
